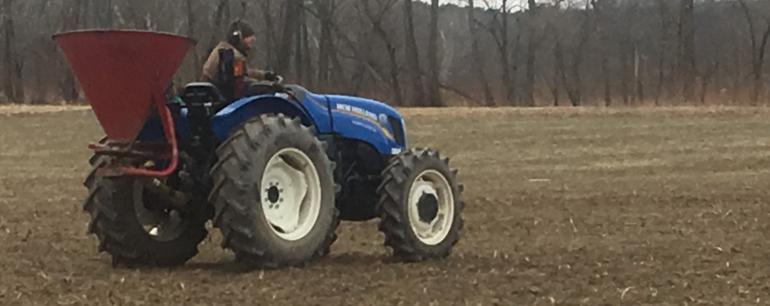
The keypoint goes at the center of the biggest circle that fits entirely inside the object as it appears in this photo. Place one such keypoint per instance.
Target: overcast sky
(480, 3)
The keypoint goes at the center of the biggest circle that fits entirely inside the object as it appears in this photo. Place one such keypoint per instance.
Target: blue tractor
(275, 171)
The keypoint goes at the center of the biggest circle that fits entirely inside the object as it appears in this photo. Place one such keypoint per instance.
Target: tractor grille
(398, 130)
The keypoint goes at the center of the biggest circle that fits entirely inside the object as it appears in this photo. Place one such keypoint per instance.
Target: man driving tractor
(240, 38)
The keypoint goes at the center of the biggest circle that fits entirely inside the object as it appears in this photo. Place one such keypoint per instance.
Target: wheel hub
(274, 194)
(427, 207)
(431, 207)
(157, 217)
(291, 194)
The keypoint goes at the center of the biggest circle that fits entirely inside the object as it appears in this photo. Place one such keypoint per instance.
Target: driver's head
(242, 35)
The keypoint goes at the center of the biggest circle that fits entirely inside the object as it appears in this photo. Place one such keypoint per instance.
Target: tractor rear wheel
(139, 228)
(420, 206)
(274, 194)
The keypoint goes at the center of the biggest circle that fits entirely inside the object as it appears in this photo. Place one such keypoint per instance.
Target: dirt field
(564, 207)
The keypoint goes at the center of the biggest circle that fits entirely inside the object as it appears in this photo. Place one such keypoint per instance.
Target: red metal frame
(168, 129)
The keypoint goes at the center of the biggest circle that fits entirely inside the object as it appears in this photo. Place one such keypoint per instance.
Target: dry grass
(564, 206)
(14, 109)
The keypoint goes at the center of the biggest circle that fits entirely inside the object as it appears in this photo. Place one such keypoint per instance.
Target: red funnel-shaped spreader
(123, 73)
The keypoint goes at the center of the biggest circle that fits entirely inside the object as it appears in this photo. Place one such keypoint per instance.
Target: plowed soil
(564, 207)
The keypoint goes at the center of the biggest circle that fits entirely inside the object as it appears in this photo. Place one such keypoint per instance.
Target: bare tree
(269, 35)
(529, 82)
(632, 51)
(687, 48)
(289, 29)
(196, 63)
(758, 49)
(376, 19)
(663, 47)
(434, 90)
(413, 57)
(571, 78)
(498, 29)
(12, 78)
(478, 61)
(325, 9)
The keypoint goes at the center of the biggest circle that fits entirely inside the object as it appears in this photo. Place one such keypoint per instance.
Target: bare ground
(565, 207)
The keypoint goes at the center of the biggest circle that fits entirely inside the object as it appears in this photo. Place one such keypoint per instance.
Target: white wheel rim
(431, 221)
(291, 194)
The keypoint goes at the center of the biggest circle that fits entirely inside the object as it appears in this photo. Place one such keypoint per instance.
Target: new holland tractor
(275, 171)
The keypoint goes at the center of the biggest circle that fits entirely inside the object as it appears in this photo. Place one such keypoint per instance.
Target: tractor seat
(201, 93)
(203, 99)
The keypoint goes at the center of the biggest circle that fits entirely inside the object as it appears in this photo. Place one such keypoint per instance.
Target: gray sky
(480, 3)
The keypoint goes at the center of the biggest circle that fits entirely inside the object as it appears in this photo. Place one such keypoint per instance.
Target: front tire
(420, 206)
(274, 194)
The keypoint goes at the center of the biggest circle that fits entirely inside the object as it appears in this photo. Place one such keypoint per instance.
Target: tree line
(414, 53)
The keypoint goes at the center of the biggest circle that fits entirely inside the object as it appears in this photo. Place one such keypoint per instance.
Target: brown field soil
(564, 207)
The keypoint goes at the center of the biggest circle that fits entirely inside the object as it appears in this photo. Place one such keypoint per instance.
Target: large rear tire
(132, 226)
(274, 194)
(420, 206)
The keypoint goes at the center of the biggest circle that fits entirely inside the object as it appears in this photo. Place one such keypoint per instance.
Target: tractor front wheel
(420, 206)
(138, 227)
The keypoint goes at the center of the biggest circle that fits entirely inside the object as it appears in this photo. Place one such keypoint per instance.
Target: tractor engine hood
(372, 109)
(379, 118)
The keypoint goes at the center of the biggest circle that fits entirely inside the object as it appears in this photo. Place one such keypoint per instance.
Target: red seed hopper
(124, 75)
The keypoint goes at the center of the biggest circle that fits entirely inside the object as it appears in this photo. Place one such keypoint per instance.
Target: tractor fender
(315, 114)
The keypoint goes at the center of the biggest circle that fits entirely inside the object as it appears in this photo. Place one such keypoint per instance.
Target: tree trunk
(196, 63)
(758, 50)
(269, 36)
(575, 91)
(478, 62)
(306, 62)
(417, 97)
(376, 21)
(687, 49)
(221, 20)
(624, 82)
(324, 46)
(434, 90)
(638, 82)
(759, 63)
(607, 82)
(9, 63)
(71, 19)
(559, 76)
(504, 53)
(290, 26)
(663, 46)
(512, 93)
(529, 84)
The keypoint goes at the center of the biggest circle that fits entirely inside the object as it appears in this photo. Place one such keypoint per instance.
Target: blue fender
(313, 111)
(370, 122)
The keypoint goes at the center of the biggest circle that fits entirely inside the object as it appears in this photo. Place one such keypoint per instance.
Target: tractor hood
(124, 74)
(371, 109)
(370, 121)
